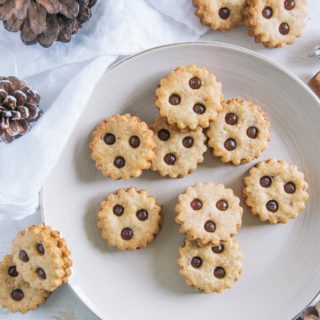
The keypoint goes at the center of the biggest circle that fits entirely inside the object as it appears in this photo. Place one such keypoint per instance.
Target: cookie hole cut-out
(23, 256)
(267, 12)
(252, 132)
(222, 205)
(199, 108)
(230, 144)
(272, 205)
(265, 181)
(126, 234)
(290, 187)
(109, 139)
(17, 294)
(196, 204)
(224, 13)
(218, 249)
(118, 210)
(284, 28)
(187, 142)
(164, 134)
(289, 4)
(210, 226)
(134, 141)
(195, 83)
(40, 248)
(174, 99)
(219, 272)
(142, 214)
(170, 159)
(41, 273)
(119, 162)
(12, 271)
(196, 262)
(231, 118)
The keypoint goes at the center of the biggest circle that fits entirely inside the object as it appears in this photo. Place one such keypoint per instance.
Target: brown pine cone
(19, 106)
(45, 21)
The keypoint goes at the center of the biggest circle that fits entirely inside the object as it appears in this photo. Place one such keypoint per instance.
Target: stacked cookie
(39, 264)
(273, 23)
(193, 116)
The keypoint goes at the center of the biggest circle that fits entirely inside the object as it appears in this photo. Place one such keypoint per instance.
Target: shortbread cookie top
(42, 257)
(276, 23)
(240, 133)
(189, 97)
(15, 293)
(129, 219)
(208, 213)
(177, 153)
(220, 14)
(122, 147)
(210, 268)
(275, 191)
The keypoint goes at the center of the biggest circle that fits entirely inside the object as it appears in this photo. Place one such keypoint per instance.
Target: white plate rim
(214, 44)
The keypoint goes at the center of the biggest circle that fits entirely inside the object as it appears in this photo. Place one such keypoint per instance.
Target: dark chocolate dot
(109, 138)
(265, 181)
(196, 262)
(272, 205)
(222, 205)
(230, 144)
(196, 204)
(210, 226)
(174, 99)
(231, 118)
(290, 187)
(40, 248)
(134, 142)
(170, 159)
(267, 12)
(224, 13)
(199, 108)
(252, 132)
(284, 28)
(17, 294)
(126, 233)
(119, 162)
(164, 134)
(41, 273)
(142, 214)
(118, 210)
(195, 83)
(218, 249)
(187, 142)
(219, 272)
(23, 256)
(289, 4)
(13, 271)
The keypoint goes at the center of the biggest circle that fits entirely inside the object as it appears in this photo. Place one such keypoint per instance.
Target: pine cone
(45, 21)
(19, 106)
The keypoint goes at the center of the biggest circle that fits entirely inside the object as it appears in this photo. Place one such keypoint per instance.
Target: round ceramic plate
(281, 262)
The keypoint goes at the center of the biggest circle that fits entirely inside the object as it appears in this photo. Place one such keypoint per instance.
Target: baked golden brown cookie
(129, 219)
(210, 268)
(189, 97)
(276, 23)
(122, 146)
(275, 191)
(42, 257)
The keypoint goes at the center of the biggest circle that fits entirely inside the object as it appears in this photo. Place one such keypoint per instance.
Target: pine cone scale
(13, 24)
(52, 6)
(70, 8)
(37, 17)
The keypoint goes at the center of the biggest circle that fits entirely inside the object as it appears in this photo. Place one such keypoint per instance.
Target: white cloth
(66, 74)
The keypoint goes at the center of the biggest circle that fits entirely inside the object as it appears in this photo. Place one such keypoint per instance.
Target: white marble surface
(63, 304)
